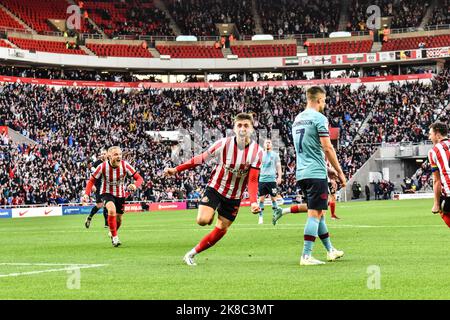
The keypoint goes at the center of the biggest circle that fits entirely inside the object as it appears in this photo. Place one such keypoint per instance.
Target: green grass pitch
(402, 239)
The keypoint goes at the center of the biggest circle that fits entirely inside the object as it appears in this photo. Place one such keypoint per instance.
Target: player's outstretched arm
(87, 192)
(253, 177)
(138, 180)
(168, 172)
(192, 163)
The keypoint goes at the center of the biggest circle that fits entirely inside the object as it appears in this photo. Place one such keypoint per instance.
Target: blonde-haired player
(113, 173)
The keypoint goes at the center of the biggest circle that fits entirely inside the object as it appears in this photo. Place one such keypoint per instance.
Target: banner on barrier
(37, 212)
(133, 207)
(163, 206)
(408, 196)
(76, 210)
(5, 213)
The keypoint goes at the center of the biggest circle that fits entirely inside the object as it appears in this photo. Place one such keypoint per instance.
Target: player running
(439, 157)
(312, 144)
(113, 173)
(238, 162)
(98, 198)
(269, 178)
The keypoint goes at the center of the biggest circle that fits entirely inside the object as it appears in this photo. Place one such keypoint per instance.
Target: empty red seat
(45, 46)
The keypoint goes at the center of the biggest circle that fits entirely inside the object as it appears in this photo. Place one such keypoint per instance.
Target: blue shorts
(315, 192)
(267, 188)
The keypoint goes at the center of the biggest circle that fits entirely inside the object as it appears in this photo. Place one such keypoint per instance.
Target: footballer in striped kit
(439, 158)
(238, 163)
(113, 173)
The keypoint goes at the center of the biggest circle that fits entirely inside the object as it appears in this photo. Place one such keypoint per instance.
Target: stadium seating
(270, 50)
(190, 51)
(325, 48)
(119, 50)
(7, 21)
(46, 46)
(440, 14)
(199, 17)
(299, 17)
(134, 17)
(36, 13)
(5, 44)
(413, 42)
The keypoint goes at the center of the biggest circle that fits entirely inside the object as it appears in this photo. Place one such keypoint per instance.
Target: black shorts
(267, 188)
(98, 198)
(331, 189)
(227, 208)
(118, 202)
(445, 204)
(315, 192)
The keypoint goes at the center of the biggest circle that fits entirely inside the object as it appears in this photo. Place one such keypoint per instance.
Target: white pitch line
(69, 268)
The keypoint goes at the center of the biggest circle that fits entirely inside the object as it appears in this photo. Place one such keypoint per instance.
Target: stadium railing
(298, 37)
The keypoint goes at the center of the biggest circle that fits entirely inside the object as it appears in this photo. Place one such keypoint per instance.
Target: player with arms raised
(113, 173)
(238, 162)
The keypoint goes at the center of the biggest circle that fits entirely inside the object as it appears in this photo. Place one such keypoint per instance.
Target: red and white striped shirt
(113, 179)
(230, 175)
(439, 158)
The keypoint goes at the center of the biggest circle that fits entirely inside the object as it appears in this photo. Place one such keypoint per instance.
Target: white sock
(286, 210)
(192, 252)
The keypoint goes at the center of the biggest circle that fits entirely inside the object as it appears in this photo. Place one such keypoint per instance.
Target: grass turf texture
(403, 238)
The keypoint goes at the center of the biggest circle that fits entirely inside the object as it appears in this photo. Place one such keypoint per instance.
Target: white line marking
(67, 268)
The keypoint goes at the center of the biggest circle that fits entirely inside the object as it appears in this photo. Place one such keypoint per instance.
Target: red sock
(112, 223)
(210, 239)
(332, 208)
(295, 209)
(446, 218)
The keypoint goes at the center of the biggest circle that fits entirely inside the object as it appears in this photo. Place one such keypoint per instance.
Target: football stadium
(250, 150)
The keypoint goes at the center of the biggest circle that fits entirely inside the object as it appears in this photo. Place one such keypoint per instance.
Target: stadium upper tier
(242, 49)
(199, 17)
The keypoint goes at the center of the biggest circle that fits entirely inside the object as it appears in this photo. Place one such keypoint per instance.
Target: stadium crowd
(299, 17)
(193, 19)
(71, 125)
(61, 74)
(441, 14)
(404, 13)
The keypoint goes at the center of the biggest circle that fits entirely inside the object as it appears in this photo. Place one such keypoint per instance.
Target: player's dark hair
(440, 127)
(314, 91)
(244, 116)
